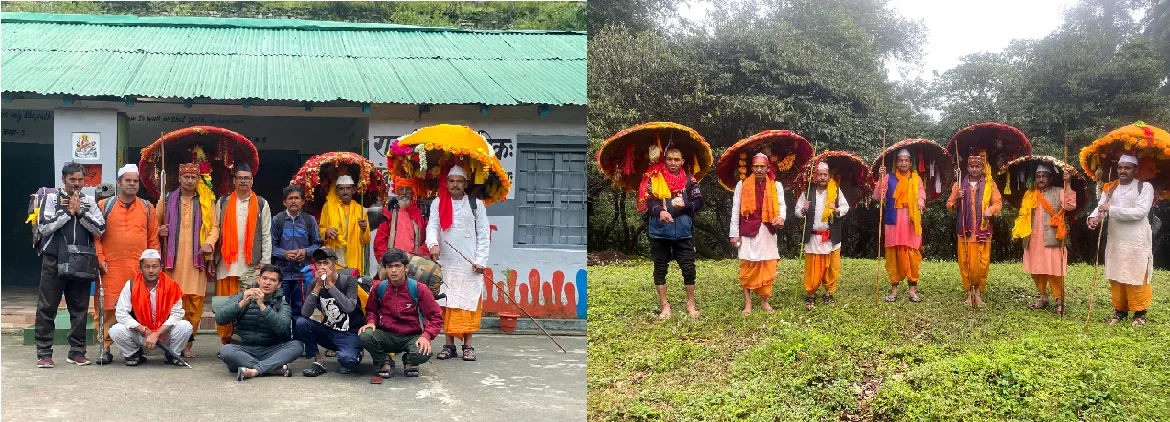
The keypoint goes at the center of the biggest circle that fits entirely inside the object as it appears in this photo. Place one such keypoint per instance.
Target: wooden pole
(804, 221)
(877, 283)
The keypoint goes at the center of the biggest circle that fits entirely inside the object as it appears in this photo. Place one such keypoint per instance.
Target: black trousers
(49, 298)
(682, 251)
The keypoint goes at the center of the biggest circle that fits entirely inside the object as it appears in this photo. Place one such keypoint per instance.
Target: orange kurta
(192, 280)
(129, 231)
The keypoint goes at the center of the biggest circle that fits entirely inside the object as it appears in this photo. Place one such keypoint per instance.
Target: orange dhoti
(228, 286)
(974, 263)
(758, 276)
(461, 322)
(903, 263)
(822, 269)
(1130, 297)
(1044, 282)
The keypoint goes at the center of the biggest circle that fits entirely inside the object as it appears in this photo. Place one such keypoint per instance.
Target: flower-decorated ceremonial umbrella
(1151, 146)
(625, 157)
(849, 170)
(1001, 142)
(426, 153)
(934, 165)
(319, 173)
(786, 150)
(220, 148)
(1019, 175)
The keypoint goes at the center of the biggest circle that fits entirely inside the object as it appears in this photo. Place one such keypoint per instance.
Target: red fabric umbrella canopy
(787, 151)
(222, 148)
(624, 157)
(934, 165)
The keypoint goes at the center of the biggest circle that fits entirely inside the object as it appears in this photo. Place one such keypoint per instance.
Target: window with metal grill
(550, 196)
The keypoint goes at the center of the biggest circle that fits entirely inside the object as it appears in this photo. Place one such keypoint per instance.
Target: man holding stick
(902, 221)
(1042, 228)
(822, 249)
(975, 199)
(1129, 260)
(458, 237)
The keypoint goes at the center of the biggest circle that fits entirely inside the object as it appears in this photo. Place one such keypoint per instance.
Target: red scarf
(231, 245)
(167, 295)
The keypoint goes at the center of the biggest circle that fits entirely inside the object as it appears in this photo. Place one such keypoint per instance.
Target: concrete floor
(517, 377)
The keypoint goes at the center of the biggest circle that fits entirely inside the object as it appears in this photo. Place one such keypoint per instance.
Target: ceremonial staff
(499, 284)
(877, 282)
(804, 221)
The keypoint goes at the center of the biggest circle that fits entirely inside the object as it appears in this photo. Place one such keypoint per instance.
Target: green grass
(934, 360)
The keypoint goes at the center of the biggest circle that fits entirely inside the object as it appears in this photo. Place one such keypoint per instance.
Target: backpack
(412, 286)
(1155, 222)
(35, 203)
(110, 207)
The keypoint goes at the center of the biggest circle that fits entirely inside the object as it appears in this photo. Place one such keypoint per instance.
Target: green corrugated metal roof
(295, 60)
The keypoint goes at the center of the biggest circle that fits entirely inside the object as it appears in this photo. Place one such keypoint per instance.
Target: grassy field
(934, 360)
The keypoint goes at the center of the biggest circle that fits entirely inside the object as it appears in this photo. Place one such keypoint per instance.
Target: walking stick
(1096, 261)
(804, 220)
(499, 285)
(877, 282)
(101, 313)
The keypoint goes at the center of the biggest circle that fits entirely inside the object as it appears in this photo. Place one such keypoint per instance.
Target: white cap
(1041, 167)
(129, 168)
(903, 152)
(1128, 159)
(150, 254)
(344, 180)
(823, 166)
(456, 171)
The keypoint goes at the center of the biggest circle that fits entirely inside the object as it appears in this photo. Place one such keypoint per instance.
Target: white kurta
(815, 245)
(130, 341)
(469, 235)
(762, 246)
(1129, 252)
(240, 268)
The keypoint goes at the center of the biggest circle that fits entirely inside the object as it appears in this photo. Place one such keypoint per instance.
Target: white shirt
(468, 238)
(242, 219)
(814, 245)
(124, 306)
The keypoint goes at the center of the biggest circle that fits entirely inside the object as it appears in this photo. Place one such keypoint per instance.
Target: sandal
(1139, 322)
(1040, 304)
(915, 298)
(1060, 308)
(386, 371)
(1116, 318)
(829, 300)
(448, 352)
(468, 353)
(410, 371)
(810, 302)
(891, 298)
(136, 359)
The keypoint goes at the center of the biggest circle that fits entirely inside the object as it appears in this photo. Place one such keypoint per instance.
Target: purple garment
(970, 220)
(174, 203)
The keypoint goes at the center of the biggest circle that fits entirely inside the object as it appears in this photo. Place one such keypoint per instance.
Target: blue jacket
(684, 219)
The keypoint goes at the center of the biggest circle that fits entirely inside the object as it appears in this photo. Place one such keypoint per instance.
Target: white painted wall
(102, 122)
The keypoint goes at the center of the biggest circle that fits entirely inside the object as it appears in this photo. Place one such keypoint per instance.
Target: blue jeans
(313, 333)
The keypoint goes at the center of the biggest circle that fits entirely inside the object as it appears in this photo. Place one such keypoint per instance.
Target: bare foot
(747, 309)
(694, 313)
(665, 312)
(969, 300)
(979, 302)
(188, 353)
(767, 307)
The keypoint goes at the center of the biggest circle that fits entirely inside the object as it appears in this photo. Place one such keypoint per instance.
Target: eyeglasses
(244, 178)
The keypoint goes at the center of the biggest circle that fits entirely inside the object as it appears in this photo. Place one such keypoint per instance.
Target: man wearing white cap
(150, 310)
(1041, 226)
(130, 229)
(343, 225)
(904, 199)
(822, 250)
(458, 236)
(1129, 251)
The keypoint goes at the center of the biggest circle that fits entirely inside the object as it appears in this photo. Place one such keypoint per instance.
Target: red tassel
(921, 164)
(446, 210)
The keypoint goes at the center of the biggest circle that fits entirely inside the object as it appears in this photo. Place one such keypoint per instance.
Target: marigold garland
(786, 150)
(223, 148)
(422, 153)
(1151, 146)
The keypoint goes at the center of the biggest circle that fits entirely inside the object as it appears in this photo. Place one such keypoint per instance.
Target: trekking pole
(509, 296)
(877, 281)
(804, 221)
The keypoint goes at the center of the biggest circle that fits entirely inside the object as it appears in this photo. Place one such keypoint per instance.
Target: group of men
(275, 272)
(759, 210)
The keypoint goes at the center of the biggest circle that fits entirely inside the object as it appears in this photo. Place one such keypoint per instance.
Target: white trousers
(130, 341)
